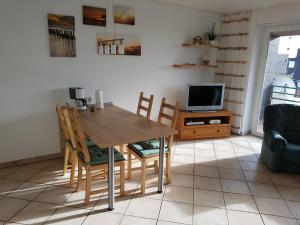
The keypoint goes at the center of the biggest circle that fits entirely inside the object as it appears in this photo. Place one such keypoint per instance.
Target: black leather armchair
(281, 142)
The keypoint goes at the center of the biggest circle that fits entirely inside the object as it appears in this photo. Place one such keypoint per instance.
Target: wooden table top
(114, 126)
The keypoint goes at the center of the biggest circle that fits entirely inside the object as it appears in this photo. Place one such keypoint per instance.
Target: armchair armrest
(274, 141)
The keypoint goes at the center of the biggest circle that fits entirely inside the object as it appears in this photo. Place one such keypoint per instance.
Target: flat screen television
(204, 97)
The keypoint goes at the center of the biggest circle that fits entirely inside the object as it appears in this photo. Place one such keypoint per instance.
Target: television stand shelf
(204, 130)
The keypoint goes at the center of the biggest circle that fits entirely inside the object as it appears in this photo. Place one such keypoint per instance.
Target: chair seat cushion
(146, 148)
(89, 142)
(99, 156)
(292, 153)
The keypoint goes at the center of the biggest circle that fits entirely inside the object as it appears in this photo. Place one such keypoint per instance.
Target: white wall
(31, 82)
(279, 14)
(249, 83)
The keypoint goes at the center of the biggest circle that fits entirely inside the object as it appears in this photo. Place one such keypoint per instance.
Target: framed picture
(119, 44)
(61, 30)
(124, 15)
(94, 16)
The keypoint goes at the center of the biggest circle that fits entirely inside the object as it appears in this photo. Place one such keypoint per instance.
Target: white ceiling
(228, 5)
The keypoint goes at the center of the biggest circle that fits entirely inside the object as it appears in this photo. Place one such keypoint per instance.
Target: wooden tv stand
(189, 132)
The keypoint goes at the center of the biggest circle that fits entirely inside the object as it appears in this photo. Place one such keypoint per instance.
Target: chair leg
(124, 150)
(73, 167)
(168, 168)
(156, 166)
(88, 186)
(129, 164)
(79, 182)
(122, 178)
(66, 159)
(106, 174)
(143, 176)
(121, 149)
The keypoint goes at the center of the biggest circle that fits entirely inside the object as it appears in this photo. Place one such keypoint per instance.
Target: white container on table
(99, 99)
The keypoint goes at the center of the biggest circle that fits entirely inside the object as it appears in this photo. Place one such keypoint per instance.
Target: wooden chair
(141, 105)
(70, 152)
(70, 157)
(147, 151)
(144, 108)
(92, 158)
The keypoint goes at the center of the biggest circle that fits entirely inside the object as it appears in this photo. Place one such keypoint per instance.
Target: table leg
(111, 178)
(161, 164)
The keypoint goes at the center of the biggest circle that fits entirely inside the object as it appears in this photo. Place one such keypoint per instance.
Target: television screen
(205, 97)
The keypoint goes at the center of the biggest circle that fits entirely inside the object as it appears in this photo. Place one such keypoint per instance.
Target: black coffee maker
(78, 94)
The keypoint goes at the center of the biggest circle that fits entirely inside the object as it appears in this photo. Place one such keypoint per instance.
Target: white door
(278, 72)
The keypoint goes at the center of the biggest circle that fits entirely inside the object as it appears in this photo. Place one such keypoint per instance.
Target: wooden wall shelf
(199, 46)
(234, 34)
(229, 75)
(232, 61)
(193, 66)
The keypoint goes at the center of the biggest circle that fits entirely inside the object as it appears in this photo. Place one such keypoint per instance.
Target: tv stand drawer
(205, 132)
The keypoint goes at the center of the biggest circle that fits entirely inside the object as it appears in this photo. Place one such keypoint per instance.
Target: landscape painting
(94, 16)
(124, 15)
(132, 45)
(61, 30)
(119, 44)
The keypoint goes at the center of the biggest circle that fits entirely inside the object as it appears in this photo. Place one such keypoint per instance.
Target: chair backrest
(145, 104)
(77, 134)
(62, 121)
(168, 113)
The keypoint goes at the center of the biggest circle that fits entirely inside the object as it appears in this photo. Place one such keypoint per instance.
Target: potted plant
(211, 35)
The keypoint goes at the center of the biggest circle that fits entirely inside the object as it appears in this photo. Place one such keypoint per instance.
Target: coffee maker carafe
(78, 94)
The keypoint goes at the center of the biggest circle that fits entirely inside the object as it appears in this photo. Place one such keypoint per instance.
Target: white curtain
(232, 63)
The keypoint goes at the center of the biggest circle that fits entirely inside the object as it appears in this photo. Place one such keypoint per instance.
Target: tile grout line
(273, 184)
(29, 202)
(165, 188)
(252, 196)
(218, 168)
(124, 214)
(222, 192)
(162, 200)
(62, 204)
(194, 149)
(6, 196)
(285, 201)
(256, 205)
(34, 199)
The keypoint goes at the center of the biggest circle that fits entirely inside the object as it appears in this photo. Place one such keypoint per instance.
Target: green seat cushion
(99, 156)
(292, 153)
(89, 142)
(146, 148)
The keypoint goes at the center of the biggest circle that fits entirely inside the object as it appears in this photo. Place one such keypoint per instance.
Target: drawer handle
(218, 131)
(194, 132)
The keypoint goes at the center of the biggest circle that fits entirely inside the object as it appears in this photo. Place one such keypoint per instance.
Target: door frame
(260, 74)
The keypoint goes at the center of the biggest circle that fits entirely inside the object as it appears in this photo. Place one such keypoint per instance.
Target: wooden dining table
(113, 126)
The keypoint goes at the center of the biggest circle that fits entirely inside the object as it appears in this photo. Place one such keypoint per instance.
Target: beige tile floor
(215, 182)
